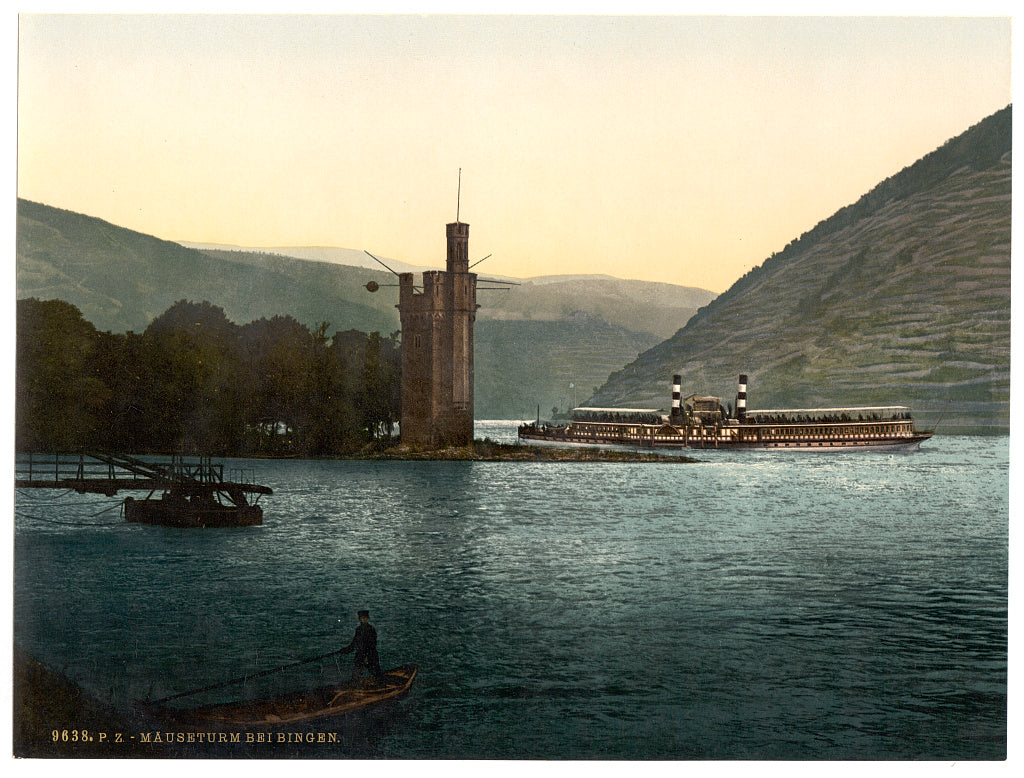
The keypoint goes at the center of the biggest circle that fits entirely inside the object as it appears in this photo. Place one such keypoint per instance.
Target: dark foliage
(194, 382)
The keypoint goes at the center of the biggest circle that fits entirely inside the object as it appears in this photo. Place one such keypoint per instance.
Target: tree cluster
(195, 383)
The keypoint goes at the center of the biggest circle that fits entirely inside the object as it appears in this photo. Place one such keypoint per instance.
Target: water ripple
(750, 607)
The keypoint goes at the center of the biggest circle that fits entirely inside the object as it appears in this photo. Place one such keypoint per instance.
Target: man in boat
(364, 643)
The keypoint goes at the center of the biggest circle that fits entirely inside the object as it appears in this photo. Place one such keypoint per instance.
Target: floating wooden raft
(194, 492)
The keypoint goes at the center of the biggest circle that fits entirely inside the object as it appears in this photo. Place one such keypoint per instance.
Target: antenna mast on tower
(458, 197)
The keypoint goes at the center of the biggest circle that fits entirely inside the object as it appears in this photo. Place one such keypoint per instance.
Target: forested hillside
(523, 365)
(903, 297)
(532, 339)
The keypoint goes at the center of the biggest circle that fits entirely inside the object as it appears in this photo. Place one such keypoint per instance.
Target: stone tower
(437, 349)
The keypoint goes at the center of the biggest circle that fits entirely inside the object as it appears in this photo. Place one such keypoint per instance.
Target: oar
(242, 678)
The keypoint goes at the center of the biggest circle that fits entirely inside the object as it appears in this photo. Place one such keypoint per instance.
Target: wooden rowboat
(294, 707)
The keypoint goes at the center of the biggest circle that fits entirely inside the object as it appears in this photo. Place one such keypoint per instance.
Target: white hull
(669, 450)
(703, 424)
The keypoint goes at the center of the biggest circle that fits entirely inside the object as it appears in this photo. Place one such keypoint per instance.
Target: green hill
(121, 280)
(902, 297)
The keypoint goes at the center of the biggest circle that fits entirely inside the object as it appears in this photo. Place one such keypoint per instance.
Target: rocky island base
(487, 450)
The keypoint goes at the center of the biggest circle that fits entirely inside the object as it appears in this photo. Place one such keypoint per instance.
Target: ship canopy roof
(617, 410)
(806, 411)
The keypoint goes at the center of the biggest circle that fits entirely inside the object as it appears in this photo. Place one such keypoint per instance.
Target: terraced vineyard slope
(903, 297)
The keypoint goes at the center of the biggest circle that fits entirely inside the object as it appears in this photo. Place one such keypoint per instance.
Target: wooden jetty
(194, 492)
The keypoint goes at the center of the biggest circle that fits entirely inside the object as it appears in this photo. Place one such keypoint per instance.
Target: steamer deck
(700, 422)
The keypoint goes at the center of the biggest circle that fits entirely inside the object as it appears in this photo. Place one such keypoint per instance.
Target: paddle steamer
(700, 422)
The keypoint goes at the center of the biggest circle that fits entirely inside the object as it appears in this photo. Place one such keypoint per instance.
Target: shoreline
(54, 718)
(488, 451)
(485, 450)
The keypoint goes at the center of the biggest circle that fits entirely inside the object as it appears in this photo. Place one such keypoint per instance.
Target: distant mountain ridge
(902, 297)
(336, 256)
(639, 306)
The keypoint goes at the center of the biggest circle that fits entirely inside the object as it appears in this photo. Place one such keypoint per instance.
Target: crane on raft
(193, 492)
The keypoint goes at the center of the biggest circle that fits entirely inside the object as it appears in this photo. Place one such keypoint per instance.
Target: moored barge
(700, 422)
(177, 509)
(193, 493)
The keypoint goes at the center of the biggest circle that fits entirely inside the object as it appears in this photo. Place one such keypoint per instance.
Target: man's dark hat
(364, 613)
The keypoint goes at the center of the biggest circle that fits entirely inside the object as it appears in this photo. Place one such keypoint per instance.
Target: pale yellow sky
(680, 149)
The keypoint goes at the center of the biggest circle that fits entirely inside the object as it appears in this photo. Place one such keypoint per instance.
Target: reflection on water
(757, 605)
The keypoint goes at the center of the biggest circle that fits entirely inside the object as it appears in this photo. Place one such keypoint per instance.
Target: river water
(782, 605)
